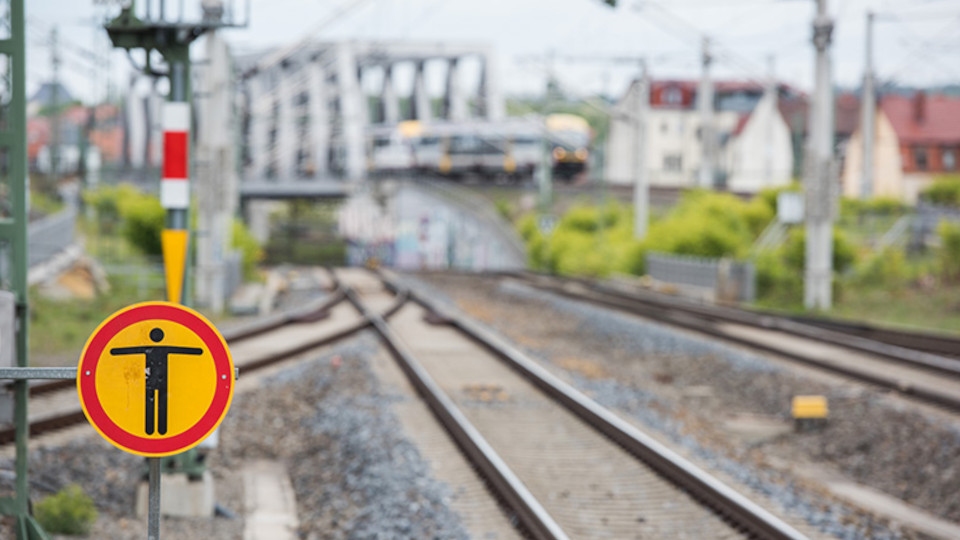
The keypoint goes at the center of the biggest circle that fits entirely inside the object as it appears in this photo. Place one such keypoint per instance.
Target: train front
(569, 141)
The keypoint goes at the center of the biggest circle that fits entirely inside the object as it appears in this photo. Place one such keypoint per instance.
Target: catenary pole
(819, 183)
(867, 115)
(641, 188)
(705, 105)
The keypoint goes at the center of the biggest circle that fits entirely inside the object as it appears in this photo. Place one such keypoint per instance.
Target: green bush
(585, 241)
(949, 253)
(504, 208)
(780, 273)
(105, 200)
(706, 224)
(140, 216)
(945, 190)
(143, 220)
(70, 511)
(249, 248)
(795, 254)
(777, 282)
(599, 241)
(44, 203)
(888, 269)
(877, 206)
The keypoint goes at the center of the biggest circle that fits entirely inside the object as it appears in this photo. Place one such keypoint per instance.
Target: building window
(920, 158)
(673, 162)
(672, 96)
(949, 159)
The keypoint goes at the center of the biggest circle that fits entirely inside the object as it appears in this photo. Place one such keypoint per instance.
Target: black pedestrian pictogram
(156, 374)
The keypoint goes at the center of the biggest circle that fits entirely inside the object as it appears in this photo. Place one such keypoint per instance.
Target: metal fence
(51, 235)
(729, 280)
(928, 217)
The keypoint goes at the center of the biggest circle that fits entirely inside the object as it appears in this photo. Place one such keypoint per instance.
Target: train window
(491, 144)
(429, 141)
(525, 141)
(465, 144)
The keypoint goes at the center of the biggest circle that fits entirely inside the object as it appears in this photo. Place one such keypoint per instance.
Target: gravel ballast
(354, 473)
(686, 388)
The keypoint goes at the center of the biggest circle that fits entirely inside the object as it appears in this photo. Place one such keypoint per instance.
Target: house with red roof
(106, 137)
(753, 141)
(916, 139)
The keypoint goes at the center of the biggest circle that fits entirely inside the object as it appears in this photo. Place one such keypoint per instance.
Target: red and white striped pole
(175, 194)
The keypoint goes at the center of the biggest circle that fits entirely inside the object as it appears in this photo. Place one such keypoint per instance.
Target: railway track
(254, 346)
(635, 484)
(838, 347)
(562, 464)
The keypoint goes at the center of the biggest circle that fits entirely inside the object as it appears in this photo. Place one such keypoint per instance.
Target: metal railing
(928, 217)
(729, 279)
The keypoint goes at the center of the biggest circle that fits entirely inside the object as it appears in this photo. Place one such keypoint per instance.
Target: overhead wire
(924, 46)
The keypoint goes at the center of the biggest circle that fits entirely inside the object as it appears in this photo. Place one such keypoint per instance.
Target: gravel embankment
(687, 389)
(354, 473)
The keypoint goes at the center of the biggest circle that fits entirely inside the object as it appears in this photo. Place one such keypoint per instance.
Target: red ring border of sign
(90, 358)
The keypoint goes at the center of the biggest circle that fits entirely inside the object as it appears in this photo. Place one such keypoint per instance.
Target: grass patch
(59, 328)
(906, 306)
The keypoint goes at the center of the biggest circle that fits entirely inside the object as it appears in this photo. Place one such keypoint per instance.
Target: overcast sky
(917, 41)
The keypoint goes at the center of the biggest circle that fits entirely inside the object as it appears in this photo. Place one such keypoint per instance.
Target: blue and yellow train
(511, 149)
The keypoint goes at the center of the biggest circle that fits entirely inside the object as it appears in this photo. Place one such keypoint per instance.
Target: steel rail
(684, 319)
(533, 518)
(822, 332)
(728, 503)
(70, 418)
(926, 341)
(922, 350)
(312, 310)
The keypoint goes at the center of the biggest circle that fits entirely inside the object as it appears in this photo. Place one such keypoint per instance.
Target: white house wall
(673, 148)
(761, 155)
(888, 177)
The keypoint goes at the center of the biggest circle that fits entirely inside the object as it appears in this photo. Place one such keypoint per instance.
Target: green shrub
(944, 190)
(249, 248)
(143, 220)
(70, 511)
(536, 244)
(795, 255)
(888, 268)
(599, 241)
(949, 253)
(140, 216)
(105, 201)
(44, 203)
(777, 282)
(877, 206)
(780, 273)
(504, 208)
(706, 224)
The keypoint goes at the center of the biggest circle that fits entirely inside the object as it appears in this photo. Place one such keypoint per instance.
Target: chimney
(919, 106)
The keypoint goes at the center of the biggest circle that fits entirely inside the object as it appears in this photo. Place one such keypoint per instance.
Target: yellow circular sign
(155, 378)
